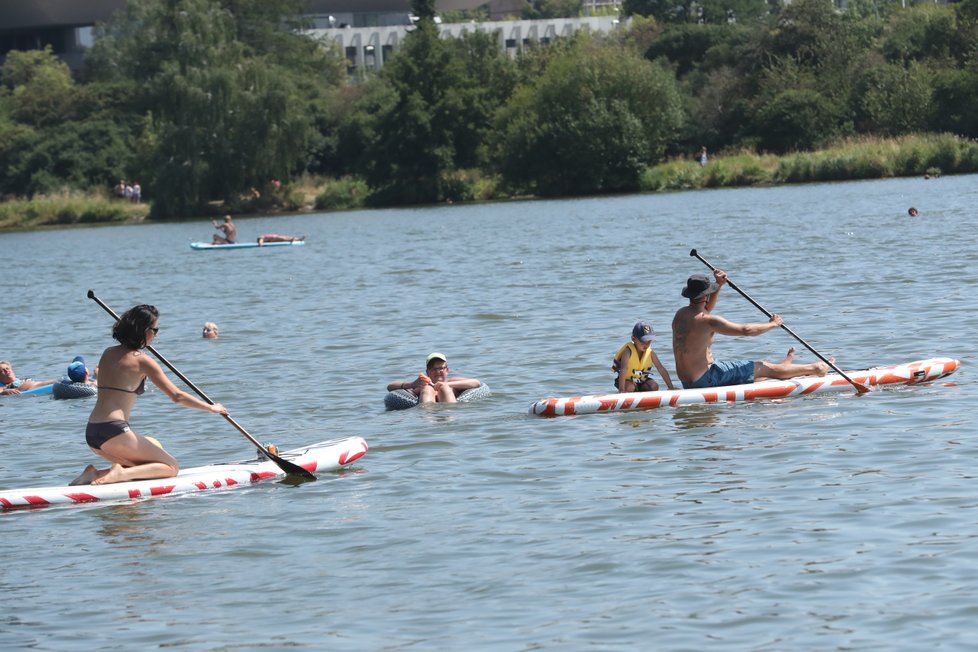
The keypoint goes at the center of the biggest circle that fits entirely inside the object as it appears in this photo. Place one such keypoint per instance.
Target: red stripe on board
(767, 392)
(161, 491)
(81, 498)
(351, 456)
(200, 485)
(134, 493)
(648, 402)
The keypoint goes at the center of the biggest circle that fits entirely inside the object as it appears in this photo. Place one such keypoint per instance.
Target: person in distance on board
(10, 384)
(230, 231)
(634, 360)
(275, 237)
(434, 386)
(693, 328)
(123, 370)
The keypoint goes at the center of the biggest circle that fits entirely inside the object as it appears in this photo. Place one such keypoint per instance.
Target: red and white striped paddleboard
(324, 456)
(910, 373)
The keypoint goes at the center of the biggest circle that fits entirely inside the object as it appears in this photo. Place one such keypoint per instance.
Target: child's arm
(622, 366)
(662, 371)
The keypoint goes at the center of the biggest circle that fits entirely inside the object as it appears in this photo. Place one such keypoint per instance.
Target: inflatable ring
(65, 388)
(402, 399)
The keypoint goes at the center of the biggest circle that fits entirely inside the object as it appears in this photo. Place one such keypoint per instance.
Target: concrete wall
(368, 47)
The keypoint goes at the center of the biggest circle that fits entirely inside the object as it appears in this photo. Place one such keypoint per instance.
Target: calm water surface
(820, 523)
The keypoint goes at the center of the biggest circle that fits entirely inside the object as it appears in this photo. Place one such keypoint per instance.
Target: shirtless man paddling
(693, 328)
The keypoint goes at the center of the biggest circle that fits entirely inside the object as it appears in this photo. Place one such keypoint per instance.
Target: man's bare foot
(790, 356)
(86, 476)
(113, 474)
(821, 368)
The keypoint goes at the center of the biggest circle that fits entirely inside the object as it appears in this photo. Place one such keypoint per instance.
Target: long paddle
(285, 465)
(860, 389)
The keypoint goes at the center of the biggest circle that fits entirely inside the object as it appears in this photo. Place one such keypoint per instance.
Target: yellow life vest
(639, 365)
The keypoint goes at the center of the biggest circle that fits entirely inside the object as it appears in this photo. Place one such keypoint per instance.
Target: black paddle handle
(285, 465)
(783, 325)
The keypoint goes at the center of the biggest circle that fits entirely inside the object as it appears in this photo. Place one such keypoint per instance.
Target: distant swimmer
(912, 212)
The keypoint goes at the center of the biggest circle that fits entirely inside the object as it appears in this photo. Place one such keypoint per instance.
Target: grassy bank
(67, 208)
(865, 158)
(849, 160)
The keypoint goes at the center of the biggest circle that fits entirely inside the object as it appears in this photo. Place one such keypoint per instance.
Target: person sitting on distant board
(434, 386)
(123, 370)
(230, 231)
(210, 331)
(634, 360)
(693, 328)
(11, 384)
(274, 237)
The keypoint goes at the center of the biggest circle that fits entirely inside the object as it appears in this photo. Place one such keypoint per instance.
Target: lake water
(820, 523)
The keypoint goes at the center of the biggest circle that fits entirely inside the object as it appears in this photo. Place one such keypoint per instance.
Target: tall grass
(863, 158)
(68, 207)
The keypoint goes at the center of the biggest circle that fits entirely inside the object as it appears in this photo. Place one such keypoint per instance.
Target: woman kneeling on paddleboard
(123, 370)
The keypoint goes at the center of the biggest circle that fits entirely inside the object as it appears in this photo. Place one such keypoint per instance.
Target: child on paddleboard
(634, 360)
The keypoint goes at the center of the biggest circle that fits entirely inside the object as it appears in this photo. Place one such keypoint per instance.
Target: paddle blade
(289, 467)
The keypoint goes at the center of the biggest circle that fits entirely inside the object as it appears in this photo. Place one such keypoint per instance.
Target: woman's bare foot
(86, 476)
(790, 356)
(114, 474)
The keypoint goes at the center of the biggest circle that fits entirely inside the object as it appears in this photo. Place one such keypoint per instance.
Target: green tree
(230, 99)
(428, 113)
(796, 120)
(591, 123)
(896, 100)
(41, 86)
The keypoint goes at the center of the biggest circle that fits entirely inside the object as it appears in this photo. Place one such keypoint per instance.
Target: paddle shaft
(285, 465)
(859, 388)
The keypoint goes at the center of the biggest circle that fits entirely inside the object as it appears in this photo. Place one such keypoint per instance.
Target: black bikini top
(139, 390)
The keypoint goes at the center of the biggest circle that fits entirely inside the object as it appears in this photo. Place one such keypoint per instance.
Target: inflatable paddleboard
(324, 456)
(910, 373)
(244, 245)
(43, 390)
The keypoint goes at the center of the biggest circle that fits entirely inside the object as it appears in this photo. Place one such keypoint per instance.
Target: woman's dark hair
(131, 328)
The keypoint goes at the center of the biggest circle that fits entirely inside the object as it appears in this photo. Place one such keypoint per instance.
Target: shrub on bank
(342, 194)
